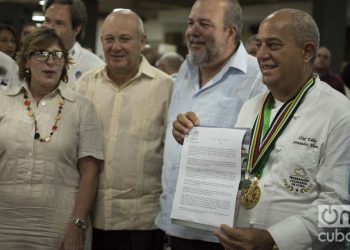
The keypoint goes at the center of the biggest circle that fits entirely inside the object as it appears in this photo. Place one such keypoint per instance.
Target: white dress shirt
(217, 104)
(8, 72)
(83, 61)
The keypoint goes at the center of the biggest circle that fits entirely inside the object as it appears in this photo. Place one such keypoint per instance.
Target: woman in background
(9, 40)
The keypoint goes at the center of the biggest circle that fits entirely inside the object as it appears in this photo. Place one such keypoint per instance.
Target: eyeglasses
(43, 56)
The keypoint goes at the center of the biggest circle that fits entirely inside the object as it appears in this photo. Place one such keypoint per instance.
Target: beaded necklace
(31, 114)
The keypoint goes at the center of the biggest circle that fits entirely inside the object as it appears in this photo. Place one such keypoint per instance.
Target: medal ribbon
(261, 145)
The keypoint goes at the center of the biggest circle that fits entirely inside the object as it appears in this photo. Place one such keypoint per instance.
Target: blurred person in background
(27, 28)
(69, 18)
(251, 46)
(151, 54)
(322, 66)
(9, 40)
(170, 63)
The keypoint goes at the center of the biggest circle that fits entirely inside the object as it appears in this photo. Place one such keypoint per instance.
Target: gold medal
(251, 195)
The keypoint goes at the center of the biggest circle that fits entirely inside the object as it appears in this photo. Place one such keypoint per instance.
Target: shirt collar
(145, 68)
(239, 60)
(15, 90)
(66, 92)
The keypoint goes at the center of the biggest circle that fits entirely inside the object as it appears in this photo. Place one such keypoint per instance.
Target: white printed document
(209, 176)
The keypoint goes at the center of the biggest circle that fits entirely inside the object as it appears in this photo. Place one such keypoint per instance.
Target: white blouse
(39, 181)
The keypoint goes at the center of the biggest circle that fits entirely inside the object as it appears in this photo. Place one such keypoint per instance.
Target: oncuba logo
(336, 216)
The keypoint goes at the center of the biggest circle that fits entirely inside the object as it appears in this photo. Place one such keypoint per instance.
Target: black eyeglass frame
(44, 55)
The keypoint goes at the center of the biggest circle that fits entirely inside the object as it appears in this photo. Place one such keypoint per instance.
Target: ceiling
(147, 9)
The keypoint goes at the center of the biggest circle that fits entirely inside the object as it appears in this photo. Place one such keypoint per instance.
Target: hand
(183, 125)
(244, 238)
(73, 239)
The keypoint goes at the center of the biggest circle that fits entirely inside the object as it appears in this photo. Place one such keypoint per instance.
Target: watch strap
(80, 223)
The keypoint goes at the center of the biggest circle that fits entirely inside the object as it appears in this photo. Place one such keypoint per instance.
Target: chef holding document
(299, 161)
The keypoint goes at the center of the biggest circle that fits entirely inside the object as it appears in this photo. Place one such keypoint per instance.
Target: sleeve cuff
(290, 234)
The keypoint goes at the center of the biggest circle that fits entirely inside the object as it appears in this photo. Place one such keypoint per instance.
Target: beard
(198, 60)
(212, 51)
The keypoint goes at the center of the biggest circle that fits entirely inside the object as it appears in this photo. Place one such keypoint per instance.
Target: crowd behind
(90, 148)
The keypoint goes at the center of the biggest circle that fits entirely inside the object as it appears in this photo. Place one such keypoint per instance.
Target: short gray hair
(130, 12)
(172, 59)
(234, 16)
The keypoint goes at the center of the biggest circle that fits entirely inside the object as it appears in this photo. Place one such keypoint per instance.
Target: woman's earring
(27, 71)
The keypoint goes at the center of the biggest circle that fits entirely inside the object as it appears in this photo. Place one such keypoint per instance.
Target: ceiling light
(38, 17)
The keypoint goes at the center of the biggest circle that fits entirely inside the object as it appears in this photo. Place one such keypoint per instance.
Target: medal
(251, 194)
(264, 136)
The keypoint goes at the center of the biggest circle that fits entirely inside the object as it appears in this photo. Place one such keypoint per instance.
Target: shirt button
(43, 103)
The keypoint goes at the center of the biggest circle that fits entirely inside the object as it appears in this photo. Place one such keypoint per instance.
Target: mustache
(194, 39)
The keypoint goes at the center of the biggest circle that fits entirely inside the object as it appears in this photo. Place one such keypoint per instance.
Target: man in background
(151, 54)
(69, 18)
(170, 63)
(250, 46)
(27, 28)
(322, 66)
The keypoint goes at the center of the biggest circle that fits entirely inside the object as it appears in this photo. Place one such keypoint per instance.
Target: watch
(80, 223)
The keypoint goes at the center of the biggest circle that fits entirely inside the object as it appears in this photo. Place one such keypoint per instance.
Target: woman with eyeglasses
(50, 153)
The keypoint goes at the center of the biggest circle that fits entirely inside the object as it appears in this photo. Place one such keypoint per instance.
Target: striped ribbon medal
(263, 140)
